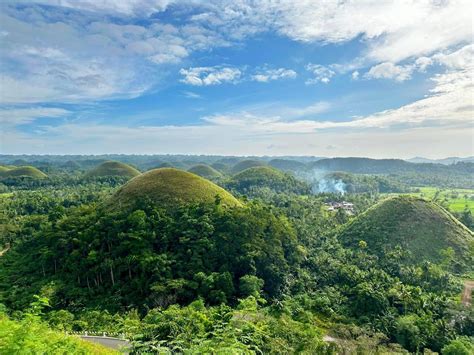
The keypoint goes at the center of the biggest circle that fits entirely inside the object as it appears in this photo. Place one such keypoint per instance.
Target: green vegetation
(286, 165)
(354, 183)
(179, 265)
(414, 228)
(221, 167)
(23, 171)
(168, 186)
(246, 164)
(32, 336)
(455, 200)
(205, 171)
(247, 181)
(113, 168)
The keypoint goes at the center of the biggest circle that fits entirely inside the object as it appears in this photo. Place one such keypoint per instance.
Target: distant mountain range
(445, 161)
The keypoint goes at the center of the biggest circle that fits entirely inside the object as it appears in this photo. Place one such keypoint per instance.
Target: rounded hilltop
(22, 171)
(421, 229)
(204, 171)
(266, 176)
(168, 187)
(259, 174)
(113, 168)
(246, 164)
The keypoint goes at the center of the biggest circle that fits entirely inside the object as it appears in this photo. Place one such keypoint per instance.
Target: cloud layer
(62, 53)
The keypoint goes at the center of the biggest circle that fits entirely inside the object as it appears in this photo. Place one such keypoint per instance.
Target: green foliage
(205, 171)
(23, 171)
(286, 164)
(253, 178)
(113, 168)
(246, 329)
(354, 183)
(420, 228)
(153, 256)
(246, 164)
(198, 274)
(168, 187)
(31, 336)
(459, 346)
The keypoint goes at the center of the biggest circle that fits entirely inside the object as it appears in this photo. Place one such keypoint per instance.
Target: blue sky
(323, 78)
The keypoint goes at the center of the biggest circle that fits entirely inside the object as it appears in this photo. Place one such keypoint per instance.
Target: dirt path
(467, 293)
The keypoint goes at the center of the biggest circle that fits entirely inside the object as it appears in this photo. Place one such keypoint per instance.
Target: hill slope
(169, 186)
(246, 164)
(204, 171)
(421, 228)
(266, 176)
(23, 171)
(113, 168)
(287, 165)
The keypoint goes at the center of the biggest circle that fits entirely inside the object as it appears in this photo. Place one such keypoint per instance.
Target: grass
(455, 200)
(31, 336)
(246, 164)
(168, 187)
(29, 171)
(205, 171)
(113, 168)
(260, 173)
(420, 227)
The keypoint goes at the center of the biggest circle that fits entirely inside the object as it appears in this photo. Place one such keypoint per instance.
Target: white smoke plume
(321, 183)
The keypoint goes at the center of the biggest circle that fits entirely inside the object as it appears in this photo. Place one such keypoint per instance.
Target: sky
(382, 79)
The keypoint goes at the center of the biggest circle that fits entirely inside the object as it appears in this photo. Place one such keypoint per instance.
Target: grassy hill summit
(169, 186)
(421, 229)
(22, 171)
(204, 171)
(286, 164)
(113, 168)
(266, 176)
(246, 164)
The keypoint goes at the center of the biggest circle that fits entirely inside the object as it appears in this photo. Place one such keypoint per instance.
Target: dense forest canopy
(277, 257)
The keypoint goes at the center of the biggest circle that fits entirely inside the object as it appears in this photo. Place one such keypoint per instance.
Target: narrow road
(467, 293)
(109, 342)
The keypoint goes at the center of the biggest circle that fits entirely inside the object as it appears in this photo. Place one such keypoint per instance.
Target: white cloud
(355, 75)
(205, 76)
(191, 95)
(273, 74)
(126, 7)
(19, 116)
(422, 63)
(45, 50)
(390, 71)
(393, 30)
(459, 59)
(63, 56)
(462, 58)
(321, 74)
(305, 111)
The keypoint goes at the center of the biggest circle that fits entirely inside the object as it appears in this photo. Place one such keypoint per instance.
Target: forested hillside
(260, 264)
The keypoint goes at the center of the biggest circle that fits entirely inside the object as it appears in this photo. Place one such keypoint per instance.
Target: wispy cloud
(205, 76)
(191, 95)
(19, 116)
(125, 7)
(267, 75)
(390, 71)
(321, 74)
